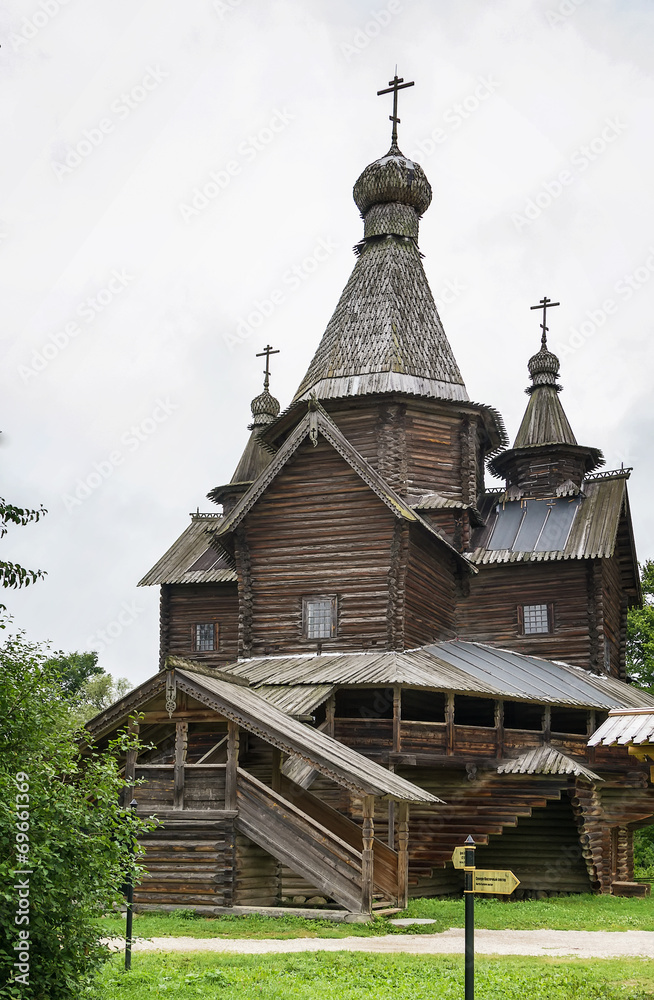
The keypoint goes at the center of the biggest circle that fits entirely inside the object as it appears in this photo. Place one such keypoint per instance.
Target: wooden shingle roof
(385, 334)
(192, 559)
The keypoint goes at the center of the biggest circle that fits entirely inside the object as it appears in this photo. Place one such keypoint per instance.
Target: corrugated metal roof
(463, 667)
(584, 527)
(328, 756)
(192, 559)
(624, 728)
(546, 760)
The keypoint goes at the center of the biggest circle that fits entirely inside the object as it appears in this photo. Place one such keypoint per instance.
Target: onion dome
(544, 369)
(391, 194)
(393, 178)
(264, 409)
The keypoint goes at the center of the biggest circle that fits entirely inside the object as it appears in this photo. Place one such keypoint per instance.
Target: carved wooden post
(449, 719)
(397, 716)
(403, 855)
(232, 765)
(367, 863)
(181, 743)
(329, 714)
(130, 763)
(276, 782)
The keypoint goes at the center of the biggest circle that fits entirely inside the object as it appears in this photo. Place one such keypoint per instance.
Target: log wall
(489, 613)
(185, 605)
(318, 530)
(430, 591)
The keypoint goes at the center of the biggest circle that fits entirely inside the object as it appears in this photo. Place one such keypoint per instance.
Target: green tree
(640, 633)
(66, 845)
(13, 574)
(86, 687)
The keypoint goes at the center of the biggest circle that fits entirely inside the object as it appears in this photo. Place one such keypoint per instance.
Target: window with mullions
(205, 637)
(536, 619)
(319, 617)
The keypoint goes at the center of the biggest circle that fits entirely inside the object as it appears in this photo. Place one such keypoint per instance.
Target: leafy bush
(66, 846)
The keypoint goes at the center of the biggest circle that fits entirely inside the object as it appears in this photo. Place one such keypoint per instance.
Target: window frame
(194, 636)
(306, 601)
(549, 606)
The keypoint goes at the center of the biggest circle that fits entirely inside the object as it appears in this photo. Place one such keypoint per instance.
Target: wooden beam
(232, 764)
(329, 714)
(397, 716)
(449, 718)
(367, 862)
(181, 744)
(403, 855)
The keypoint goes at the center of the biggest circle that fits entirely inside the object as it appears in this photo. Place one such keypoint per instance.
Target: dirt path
(578, 944)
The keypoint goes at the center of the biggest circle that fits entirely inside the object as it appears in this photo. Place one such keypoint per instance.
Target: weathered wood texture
(489, 614)
(294, 839)
(416, 445)
(183, 606)
(430, 591)
(189, 863)
(539, 474)
(318, 529)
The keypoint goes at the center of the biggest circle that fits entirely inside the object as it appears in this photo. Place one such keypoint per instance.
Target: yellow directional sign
(459, 857)
(502, 882)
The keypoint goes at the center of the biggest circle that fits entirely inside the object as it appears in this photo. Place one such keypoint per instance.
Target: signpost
(477, 880)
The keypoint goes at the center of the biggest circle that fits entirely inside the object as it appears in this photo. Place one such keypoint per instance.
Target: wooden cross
(397, 83)
(545, 304)
(267, 351)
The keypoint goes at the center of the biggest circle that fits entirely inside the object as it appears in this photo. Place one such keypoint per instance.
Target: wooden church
(366, 654)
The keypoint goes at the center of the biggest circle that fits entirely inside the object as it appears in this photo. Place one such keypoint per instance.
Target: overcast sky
(176, 193)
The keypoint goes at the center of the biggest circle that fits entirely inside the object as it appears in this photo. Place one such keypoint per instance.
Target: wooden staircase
(312, 839)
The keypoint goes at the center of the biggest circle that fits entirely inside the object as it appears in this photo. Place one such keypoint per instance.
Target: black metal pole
(129, 898)
(469, 893)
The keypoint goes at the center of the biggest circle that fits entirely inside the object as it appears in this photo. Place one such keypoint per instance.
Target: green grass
(356, 976)
(592, 913)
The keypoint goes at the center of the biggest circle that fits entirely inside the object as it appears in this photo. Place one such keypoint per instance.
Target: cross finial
(545, 304)
(267, 351)
(397, 83)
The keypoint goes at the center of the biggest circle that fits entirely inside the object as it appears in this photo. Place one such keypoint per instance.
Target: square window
(319, 617)
(205, 637)
(535, 619)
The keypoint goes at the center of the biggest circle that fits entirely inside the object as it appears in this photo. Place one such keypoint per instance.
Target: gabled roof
(192, 559)
(244, 706)
(317, 421)
(546, 760)
(453, 665)
(385, 334)
(583, 527)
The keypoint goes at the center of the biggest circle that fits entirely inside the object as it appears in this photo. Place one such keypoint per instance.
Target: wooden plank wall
(489, 613)
(185, 605)
(318, 529)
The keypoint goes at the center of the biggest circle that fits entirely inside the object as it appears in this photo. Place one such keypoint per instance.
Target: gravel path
(578, 944)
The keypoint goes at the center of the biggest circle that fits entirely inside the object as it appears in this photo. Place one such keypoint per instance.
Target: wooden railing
(299, 841)
(385, 858)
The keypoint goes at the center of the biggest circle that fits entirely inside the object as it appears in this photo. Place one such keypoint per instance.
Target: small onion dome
(264, 408)
(393, 178)
(544, 369)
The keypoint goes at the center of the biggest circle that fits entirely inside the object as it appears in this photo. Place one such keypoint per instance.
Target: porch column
(181, 744)
(403, 854)
(232, 764)
(367, 862)
(130, 764)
